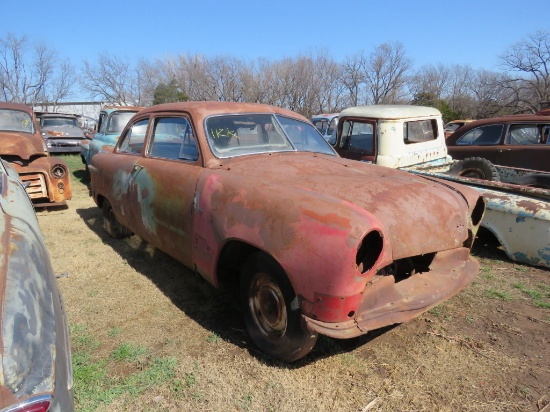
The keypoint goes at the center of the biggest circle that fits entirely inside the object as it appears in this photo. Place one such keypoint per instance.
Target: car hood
(53, 132)
(23, 145)
(420, 215)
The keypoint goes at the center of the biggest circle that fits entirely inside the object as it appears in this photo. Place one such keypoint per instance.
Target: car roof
(72, 116)
(110, 109)
(208, 108)
(390, 112)
(16, 106)
(513, 118)
(325, 116)
(461, 121)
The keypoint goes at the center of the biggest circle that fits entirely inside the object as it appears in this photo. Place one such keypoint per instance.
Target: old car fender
(521, 224)
(315, 238)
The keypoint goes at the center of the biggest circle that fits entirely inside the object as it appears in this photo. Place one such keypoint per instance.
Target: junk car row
(245, 195)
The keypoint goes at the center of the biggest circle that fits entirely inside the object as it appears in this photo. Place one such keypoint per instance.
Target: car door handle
(136, 169)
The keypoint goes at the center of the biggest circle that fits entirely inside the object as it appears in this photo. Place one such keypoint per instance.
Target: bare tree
(28, 73)
(432, 80)
(352, 76)
(330, 93)
(386, 74)
(149, 75)
(528, 66)
(226, 78)
(112, 79)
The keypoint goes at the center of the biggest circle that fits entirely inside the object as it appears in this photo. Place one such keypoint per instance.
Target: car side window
(173, 138)
(482, 136)
(133, 140)
(102, 123)
(520, 134)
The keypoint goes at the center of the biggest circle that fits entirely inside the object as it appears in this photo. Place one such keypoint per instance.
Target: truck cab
(391, 135)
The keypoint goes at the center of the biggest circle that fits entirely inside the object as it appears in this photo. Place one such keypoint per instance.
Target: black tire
(271, 311)
(475, 167)
(111, 224)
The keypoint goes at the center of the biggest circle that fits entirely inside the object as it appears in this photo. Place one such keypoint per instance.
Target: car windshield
(237, 135)
(118, 121)
(16, 120)
(320, 124)
(59, 121)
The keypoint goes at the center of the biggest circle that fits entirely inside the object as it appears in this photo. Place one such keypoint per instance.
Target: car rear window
(419, 131)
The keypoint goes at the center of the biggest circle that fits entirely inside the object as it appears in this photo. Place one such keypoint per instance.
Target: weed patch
(498, 294)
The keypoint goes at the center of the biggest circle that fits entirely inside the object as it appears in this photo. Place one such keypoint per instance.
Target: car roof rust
(208, 108)
(513, 118)
(17, 106)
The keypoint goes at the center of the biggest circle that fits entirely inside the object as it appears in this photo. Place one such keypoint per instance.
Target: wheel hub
(268, 307)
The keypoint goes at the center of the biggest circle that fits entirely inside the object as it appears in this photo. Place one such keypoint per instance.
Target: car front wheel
(272, 314)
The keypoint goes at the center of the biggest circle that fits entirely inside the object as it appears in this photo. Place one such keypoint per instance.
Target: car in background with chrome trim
(252, 197)
(35, 355)
(46, 178)
(61, 132)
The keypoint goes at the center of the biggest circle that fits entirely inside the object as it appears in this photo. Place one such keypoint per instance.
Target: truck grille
(35, 185)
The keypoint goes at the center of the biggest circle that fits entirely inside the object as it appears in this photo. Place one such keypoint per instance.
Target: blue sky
(473, 32)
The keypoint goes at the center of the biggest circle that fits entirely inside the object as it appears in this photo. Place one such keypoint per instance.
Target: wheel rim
(267, 306)
(473, 172)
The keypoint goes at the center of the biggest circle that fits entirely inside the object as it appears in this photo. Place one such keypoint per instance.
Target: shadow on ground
(214, 309)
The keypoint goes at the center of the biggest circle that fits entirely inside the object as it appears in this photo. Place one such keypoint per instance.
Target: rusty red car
(46, 178)
(252, 195)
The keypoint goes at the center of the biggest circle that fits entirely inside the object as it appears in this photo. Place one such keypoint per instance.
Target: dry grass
(181, 345)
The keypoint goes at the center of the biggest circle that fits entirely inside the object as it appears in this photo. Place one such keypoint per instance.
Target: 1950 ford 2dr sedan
(253, 195)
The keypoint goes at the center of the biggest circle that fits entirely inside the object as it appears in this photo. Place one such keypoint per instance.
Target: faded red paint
(309, 211)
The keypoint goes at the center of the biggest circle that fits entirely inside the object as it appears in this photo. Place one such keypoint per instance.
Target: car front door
(162, 186)
(122, 167)
(356, 140)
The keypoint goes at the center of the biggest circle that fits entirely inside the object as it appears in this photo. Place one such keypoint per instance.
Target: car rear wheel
(477, 168)
(111, 224)
(271, 311)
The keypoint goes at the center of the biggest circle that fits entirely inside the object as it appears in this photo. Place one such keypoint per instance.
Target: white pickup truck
(412, 138)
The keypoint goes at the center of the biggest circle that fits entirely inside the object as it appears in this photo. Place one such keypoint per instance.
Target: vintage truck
(412, 138)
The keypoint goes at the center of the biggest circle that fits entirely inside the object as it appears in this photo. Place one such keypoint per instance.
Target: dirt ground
(487, 349)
